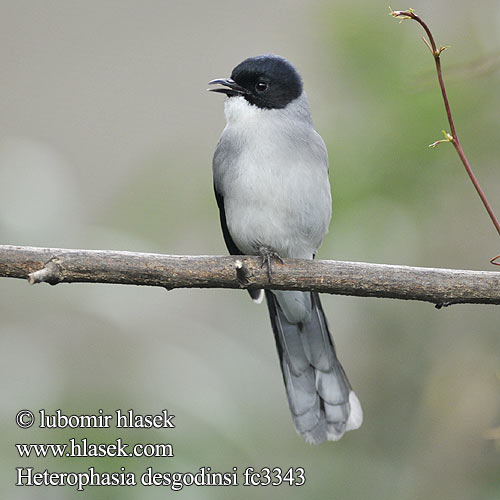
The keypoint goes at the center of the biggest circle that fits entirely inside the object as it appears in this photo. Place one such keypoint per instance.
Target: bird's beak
(233, 89)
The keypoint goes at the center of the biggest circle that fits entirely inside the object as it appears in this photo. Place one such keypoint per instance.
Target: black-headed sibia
(270, 172)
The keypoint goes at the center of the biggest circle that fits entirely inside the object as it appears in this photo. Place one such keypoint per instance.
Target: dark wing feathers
(230, 244)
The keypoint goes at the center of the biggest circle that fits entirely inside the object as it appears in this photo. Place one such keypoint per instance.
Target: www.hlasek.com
(28, 476)
(83, 448)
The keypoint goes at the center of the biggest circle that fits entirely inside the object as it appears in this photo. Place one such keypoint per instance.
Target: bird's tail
(320, 397)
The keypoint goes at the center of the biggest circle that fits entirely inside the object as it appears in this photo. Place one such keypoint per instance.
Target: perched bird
(270, 172)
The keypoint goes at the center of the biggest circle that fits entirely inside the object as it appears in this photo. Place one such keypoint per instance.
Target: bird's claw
(267, 255)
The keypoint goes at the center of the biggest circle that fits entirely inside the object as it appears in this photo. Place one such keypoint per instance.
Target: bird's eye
(261, 86)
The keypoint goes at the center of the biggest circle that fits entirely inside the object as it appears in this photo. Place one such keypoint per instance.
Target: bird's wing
(230, 244)
(257, 295)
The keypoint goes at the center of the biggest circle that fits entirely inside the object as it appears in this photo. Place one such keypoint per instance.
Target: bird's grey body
(271, 181)
(259, 166)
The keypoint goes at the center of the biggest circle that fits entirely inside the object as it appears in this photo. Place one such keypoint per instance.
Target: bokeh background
(106, 138)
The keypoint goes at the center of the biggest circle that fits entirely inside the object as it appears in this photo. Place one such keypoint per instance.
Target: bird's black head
(267, 81)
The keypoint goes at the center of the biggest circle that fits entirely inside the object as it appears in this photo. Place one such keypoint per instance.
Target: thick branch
(439, 286)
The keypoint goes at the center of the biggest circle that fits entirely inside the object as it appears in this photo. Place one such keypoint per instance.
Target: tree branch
(439, 286)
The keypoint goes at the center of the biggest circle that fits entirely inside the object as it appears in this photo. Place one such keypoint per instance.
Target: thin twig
(453, 137)
(441, 287)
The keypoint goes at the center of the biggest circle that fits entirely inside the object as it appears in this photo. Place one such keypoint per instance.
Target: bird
(271, 182)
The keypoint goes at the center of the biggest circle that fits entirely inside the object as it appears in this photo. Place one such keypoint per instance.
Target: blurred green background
(106, 139)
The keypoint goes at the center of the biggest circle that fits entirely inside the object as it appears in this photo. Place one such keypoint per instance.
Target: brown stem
(436, 53)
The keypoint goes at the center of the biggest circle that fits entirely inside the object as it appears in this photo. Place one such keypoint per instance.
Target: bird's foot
(267, 255)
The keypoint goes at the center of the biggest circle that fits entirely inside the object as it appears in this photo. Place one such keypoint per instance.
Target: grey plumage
(319, 395)
(270, 171)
